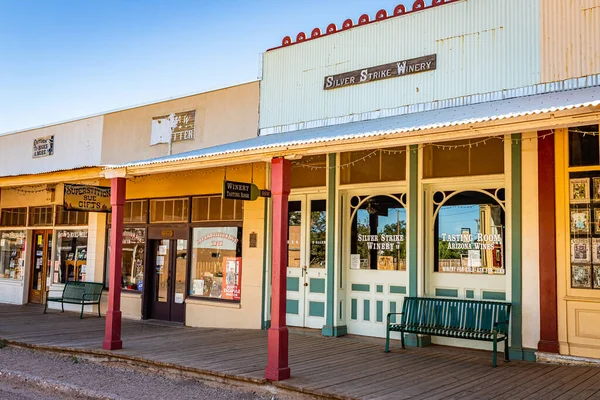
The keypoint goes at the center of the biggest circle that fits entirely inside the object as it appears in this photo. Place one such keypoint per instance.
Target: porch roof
(421, 122)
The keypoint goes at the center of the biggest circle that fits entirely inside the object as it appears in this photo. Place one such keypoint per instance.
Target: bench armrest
(499, 323)
(390, 314)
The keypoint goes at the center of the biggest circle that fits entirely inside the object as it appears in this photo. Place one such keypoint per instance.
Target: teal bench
(83, 293)
(464, 319)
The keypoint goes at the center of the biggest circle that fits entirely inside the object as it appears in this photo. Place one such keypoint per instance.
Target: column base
(112, 344)
(334, 331)
(548, 346)
(277, 374)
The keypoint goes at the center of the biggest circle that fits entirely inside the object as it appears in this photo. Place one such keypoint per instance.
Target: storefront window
(216, 270)
(12, 254)
(464, 158)
(378, 233)
(469, 234)
(584, 146)
(13, 216)
(168, 210)
(72, 218)
(383, 165)
(71, 256)
(133, 259)
(135, 212)
(41, 216)
(215, 208)
(309, 171)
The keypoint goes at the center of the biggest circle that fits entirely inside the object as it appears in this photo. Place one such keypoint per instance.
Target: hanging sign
(43, 147)
(386, 71)
(87, 198)
(243, 191)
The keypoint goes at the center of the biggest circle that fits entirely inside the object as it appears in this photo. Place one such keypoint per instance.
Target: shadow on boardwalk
(344, 367)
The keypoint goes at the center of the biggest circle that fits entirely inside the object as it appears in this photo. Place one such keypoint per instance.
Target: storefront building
(168, 216)
(434, 165)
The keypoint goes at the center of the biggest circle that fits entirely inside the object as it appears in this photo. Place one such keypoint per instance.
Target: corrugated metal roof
(455, 116)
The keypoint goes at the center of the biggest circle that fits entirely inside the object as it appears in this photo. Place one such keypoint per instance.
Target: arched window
(469, 232)
(378, 233)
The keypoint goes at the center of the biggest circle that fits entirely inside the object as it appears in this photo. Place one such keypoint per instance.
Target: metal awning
(404, 124)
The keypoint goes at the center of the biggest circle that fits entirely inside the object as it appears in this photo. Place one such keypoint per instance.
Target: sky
(64, 59)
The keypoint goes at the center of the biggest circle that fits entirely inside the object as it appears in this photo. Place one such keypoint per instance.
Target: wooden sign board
(380, 72)
(87, 198)
(43, 147)
(243, 191)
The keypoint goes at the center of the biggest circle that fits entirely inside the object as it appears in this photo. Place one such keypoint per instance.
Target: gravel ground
(27, 374)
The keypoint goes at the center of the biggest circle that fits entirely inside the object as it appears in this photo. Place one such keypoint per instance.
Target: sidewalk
(347, 367)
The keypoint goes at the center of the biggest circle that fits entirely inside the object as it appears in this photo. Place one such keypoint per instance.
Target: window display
(12, 254)
(378, 233)
(469, 234)
(585, 229)
(70, 256)
(133, 259)
(216, 270)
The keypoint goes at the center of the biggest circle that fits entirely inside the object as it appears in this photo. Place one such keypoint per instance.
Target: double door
(306, 269)
(167, 276)
(40, 266)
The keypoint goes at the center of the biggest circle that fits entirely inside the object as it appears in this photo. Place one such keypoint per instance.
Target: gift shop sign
(380, 72)
(87, 198)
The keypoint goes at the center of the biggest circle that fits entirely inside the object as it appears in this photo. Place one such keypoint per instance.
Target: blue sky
(62, 59)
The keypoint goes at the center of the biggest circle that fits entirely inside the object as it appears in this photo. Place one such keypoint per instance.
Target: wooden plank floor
(347, 367)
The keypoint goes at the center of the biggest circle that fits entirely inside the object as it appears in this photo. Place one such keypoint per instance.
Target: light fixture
(370, 209)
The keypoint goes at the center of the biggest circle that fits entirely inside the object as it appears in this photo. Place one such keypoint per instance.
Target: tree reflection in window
(378, 239)
(469, 234)
(318, 231)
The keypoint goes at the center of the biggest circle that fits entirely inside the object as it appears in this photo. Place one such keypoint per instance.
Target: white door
(306, 271)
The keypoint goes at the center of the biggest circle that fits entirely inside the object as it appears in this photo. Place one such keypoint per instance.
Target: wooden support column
(277, 365)
(112, 332)
(547, 236)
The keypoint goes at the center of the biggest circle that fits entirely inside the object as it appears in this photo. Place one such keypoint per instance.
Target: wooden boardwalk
(347, 367)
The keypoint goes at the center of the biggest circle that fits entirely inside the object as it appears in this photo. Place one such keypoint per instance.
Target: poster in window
(581, 276)
(580, 221)
(596, 190)
(386, 263)
(232, 274)
(580, 251)
(597, 221)
(579, 191)
(596, 250)
(596, 276)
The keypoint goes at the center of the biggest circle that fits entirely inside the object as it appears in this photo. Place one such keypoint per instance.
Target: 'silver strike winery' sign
(386, 71)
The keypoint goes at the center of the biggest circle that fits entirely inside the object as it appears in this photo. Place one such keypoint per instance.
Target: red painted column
(277, 366)
(112, 332)
(547, 236)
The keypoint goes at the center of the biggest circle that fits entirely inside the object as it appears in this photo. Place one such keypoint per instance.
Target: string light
(192, 173)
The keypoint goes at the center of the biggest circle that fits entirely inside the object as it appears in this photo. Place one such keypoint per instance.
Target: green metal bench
(464, 319)
(84, 293)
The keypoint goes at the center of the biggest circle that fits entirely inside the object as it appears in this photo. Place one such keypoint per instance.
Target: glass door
(169, 259)
(306, 272)
(40, 266)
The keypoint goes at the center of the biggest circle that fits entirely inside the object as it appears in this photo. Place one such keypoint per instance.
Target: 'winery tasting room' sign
(386, 71)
